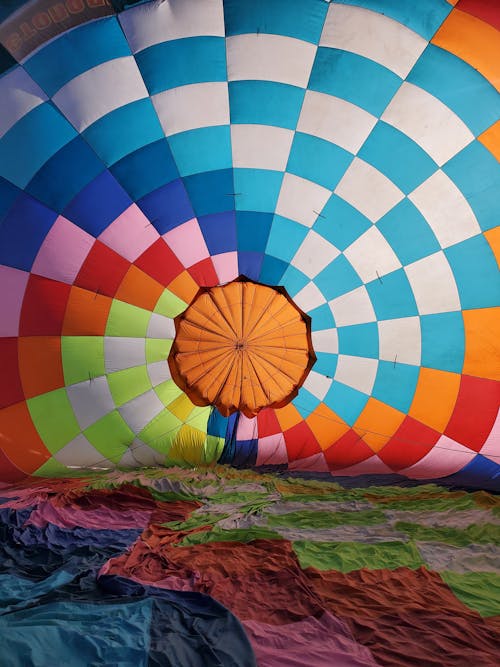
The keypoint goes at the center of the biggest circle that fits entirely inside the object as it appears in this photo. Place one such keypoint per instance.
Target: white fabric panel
(335, 120)
(368, 190)
(192, 106)
(158, 372)
(121, 353)
(269, 58)
(433, 284)
(353, 307)
(153, 23)
(373, 35)
(317, 384)
(19, 95)
(90, 400)
(79, 453)
(161, 327)
(141, 454)
(429, 122)
(371, 254)
(445, 209)
(314, 254)
(301, 200)
(400, 339)
(99, 90)
(261, 146)
(356, 372)
(309, 298)
(326, 341)
(141, 410)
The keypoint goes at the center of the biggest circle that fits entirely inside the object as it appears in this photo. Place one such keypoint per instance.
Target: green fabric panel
(325, 519)
(323, 497)
(157, 349)
(52, 468)
(54, 419)
(477, 590)
(349, 556)
(237, 497)
(439, 504)
(167, 392)
(110, 436)
(195, 521)
(127, 321)
(199, 418)
(129, 383)
(82, 356)
(161, 431)
(232, 535)
(214, 447)
(486, 533)
(399, 493)
(169, 304)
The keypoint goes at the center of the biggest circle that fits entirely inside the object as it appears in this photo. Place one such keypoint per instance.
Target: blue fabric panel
(480, 473)
(217, 424)
(8, 195)
(443, 341)
(98, 204)
(211, 192)
(359, 340)
(408, 233)
(219, 232)
(430, 15)
(317, 160)
(146, 169)
(167, 207)
(76, 52)
(265, 103)
(392, 296)
(348, 403)
(395, 384)
(476, 172)
(230, 445)
(305, 402)
(26, 147)
(285, 238)
(397, 156)
(300, 20)
(340, 223)
(322, 318)
(250, 264)
(246, 453)
(253, 230)
(257, 189)
(124, 131)
(358, 80)
(203, 149)
(458, 85)
(337, 278)
(294, 280)
(23, 231)
(65, 174)
(272, 270)
(476, 272)
(181, 62)
(326, 364)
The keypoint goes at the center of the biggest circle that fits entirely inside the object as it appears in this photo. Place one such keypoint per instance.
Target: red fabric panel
(11, 390)
(267, 423)
(8, 471)
(43, 308)
(300, 442)
(486, 10)
(204, 273)
(475, 412)
(159, 262)
(347, 451)
(102, 271)
(411, 442)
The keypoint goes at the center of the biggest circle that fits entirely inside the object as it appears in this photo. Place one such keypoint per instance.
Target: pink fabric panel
(13, 283)
(226, 266)
(440, 463)
(315, 463)
(373, 465)
(188, 243)
(272, 450)
(247, 428)
(491, 448)
(130, 234)
(70, 517)
(63, 251)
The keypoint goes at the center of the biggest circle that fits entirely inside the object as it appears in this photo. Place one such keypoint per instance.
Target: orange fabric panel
(40, 364)
(482, 351)
(326, 425)
(473, 40)
(139, 289)
(19, 438)
(184, 287)
(493, 238)
(288, 416)
(435, 397)
(377, 423)
(491, 139)
(86, 313)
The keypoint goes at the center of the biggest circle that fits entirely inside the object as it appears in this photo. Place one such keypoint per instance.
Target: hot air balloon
(254, 233)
